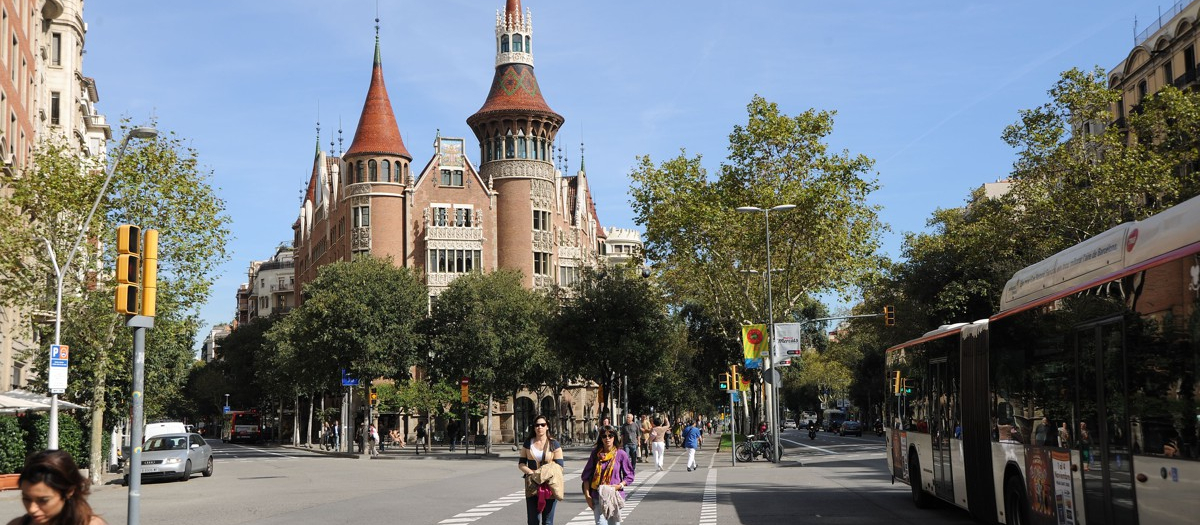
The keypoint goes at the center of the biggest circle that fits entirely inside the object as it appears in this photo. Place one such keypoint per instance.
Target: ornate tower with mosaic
(516, 129)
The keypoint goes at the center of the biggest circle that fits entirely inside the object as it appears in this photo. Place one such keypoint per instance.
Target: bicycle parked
(756, 446)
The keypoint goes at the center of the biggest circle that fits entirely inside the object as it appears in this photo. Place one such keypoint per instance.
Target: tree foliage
(359, 316)
(491, 329)
(699, 243)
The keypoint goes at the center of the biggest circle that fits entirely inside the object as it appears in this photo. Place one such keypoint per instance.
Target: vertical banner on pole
(787, 343)
(754, 343)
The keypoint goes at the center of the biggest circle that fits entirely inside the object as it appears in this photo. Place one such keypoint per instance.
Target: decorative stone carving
(568, 252)
(542, 241)
(360, 238)
(542, 193)
(441, 279)
(542, 281)
(519, 169)
(358, 189)
(454, 233)
(444, 244)
(514, 57)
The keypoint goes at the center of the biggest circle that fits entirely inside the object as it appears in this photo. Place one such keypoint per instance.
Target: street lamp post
(144, 132)
(773, 407)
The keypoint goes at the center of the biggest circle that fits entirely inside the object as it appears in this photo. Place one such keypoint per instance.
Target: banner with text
(787, 343)
(754, 344)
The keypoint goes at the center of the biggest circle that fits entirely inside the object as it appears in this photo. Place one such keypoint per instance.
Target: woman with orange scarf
(606, 465)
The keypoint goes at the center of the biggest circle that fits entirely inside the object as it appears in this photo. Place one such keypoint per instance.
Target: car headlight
(172, 461)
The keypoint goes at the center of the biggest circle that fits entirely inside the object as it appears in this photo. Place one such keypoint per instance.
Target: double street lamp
(144, 132)
(773, 402)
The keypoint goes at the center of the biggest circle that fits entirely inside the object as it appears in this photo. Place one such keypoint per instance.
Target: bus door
(1102, 435)
(940, 430)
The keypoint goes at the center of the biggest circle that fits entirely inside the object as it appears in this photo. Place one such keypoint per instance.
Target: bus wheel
(1014, 502)
(921, 499)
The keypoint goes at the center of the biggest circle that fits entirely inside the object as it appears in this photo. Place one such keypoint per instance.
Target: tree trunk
(309, 428)
(96, 459)
(296, 421)
(487, 443)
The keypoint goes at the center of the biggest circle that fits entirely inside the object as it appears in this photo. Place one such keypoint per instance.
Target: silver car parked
(176, 456)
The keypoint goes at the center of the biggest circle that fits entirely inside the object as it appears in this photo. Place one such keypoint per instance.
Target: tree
(491, 329)
(699, 243)
(359, 316)
(614, 325)
(157, 185)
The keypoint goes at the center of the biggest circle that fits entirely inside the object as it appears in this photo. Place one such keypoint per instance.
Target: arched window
(387, 171)
(509, 147)
(533, 147)
(496, 151)
(545, 149)
(358, 172)
(372, 170)
(517, 43)
(503, 43)
(521, 150)
(487, 154)
(528, 45)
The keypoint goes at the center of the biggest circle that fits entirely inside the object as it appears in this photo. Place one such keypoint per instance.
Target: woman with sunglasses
(608, 464)
(538, 450)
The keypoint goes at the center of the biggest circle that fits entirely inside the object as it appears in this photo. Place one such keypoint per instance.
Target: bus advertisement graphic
(1048, 487)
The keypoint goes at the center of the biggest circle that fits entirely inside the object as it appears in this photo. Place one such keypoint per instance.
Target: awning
(18, 400)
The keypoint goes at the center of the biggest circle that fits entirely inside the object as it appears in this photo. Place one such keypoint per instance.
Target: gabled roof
(377, 131)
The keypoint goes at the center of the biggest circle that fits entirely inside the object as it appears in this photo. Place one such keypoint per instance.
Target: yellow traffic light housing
(889, 315)
(374, 397)
(149, 273)
(896, 383)
(128, 269)
(723, 383)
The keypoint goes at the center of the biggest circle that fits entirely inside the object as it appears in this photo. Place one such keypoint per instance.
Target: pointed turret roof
(514, 86)
(377, 131)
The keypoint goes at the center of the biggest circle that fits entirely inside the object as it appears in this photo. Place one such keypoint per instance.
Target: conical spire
(512, 10)
(377, 131)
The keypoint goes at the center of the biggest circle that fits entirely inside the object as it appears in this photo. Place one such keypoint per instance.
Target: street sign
(347, 380)
(735, 396)
(225, 409)
(59, 358)
(465, 384)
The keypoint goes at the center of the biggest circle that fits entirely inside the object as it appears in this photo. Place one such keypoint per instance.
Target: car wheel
(208, 471)
(187, 471)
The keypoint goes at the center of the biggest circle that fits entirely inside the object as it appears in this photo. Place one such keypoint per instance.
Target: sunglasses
(609, 436)
(540, 424)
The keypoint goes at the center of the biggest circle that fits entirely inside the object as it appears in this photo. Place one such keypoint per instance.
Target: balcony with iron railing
(283, 287)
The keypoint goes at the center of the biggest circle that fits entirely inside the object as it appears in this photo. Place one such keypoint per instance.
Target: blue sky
(924, 88)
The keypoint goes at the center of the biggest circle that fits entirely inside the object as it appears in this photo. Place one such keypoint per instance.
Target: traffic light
(128, 269)
(149, 272)
(889, 315)
(723, 382)
(896, 383)
(374, 397)
(909, 384)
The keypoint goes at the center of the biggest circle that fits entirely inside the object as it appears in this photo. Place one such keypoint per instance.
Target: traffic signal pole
(139, 323)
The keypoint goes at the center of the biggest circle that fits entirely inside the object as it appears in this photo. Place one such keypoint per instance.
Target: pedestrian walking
(630, 432)
(538, 451)
(644, 439)
(336, 437)
(372, 440)
(692, 437)
(54, 491)
(658, 442)
(421, 434)
(608, 471)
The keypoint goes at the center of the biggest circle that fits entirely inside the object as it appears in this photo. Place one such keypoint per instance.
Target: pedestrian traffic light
(723, 383)
(889, 315)
(896, 383)
(149, 272)
(128, 269)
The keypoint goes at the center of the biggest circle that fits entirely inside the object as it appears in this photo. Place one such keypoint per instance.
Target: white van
(158, 429)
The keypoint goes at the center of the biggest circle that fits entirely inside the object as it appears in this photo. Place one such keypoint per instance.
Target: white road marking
(708, 504)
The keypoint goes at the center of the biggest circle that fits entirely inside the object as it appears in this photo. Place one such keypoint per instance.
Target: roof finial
(581, 156)
(341, 150)
(318, 126)
(378, 60)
